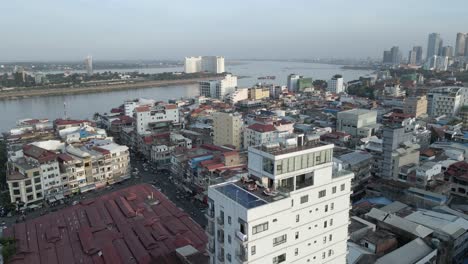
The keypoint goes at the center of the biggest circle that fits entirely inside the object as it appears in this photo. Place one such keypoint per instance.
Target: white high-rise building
(218, 88)
(89, 65)
(336, 84)
(460, 44)
(293, 208)
(192, 64)
(212, 64)
(292, 82)
(444, 101)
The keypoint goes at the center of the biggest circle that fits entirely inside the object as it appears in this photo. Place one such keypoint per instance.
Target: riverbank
(31, 92)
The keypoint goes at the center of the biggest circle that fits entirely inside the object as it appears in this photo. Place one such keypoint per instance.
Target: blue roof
(240, 195)
(375, 200)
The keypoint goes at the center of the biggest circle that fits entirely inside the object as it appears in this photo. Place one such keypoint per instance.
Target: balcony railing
(241, 236)
(241, 255)
(221, 237)
(210, 229)
(220, 221)
(306, 183)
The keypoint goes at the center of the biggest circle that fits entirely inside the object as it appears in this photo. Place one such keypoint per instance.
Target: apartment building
(227, 129)
(444, 101)
(212, 64)
(148, 118)
(293, 208)
(357, 122)
(259, 93)
(218, 88)
(415, 106)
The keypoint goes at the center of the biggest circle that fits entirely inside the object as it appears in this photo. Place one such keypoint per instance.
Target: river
(85, 105)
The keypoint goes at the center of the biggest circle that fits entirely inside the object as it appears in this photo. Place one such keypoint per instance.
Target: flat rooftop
(125, 226)
(282, 149)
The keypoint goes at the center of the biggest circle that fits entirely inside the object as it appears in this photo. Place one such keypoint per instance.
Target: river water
(85, 105)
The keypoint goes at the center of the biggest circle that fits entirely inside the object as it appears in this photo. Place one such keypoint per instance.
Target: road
(146, 174)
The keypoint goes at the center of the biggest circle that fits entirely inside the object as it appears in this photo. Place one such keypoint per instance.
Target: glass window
(291, 164)
(297, 235)
(253, 250)
(296, 251)
(297, 218)
(322, 193)
(304, 199)
(342, 187)
(260, 228)
(332, 206)
(279, 259)
(334, 189)
(279, 240)
(268, 165)
(326, 208)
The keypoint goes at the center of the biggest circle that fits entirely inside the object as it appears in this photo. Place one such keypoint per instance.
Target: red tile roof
(101, 231)
(39, 154)
(62, 122)
(262, 127)
(171, 106)
(142, 108)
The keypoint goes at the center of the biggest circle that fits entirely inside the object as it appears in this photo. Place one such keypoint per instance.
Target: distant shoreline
(32, 92)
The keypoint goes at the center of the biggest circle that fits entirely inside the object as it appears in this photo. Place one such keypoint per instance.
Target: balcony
(241, 255)
(210, 214)
(304, 182)
(210, 229)
(221, 237)
(220, 258)
(220, 221)
(211, 249)
(241, 237)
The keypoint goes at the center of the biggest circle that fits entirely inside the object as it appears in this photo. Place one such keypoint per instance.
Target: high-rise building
(387, 57)
(434, 43)
(336, 84)
(357, 122)
(419, 56)
(212, 64)
(444, 101)
(460, 44)
(227, 129)
(218, 88)
(292, 82)
(304, 83)
(412, 57)
(89, 65)
(396, 55)
(447, 51)
(192, 64)
(292, 208)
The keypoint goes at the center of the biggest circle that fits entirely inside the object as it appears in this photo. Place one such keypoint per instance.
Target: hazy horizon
(111, 30)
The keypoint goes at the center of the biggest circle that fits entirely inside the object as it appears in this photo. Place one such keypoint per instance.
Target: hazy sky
(172, 29)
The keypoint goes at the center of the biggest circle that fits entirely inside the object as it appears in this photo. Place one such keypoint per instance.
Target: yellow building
(227, 129)
(259, 93)
(415, 105)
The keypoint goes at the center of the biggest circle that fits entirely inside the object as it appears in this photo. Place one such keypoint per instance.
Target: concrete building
(218, 88)
(412, 57)
(415, 105)
(148, 117)
(192, 64)
(227, 129)
(258, 134)
(457, 175)
(336, 84)
(444, 101)
(212, 64)
(237, 95)
(419, 57)
(447, 51)
(292, 82)
(434, 45)
(460, 44)
(259, 93)
(89, 65)
(357, 122)
(293, 208)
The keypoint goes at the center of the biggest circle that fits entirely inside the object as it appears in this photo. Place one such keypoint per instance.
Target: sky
(59, 30)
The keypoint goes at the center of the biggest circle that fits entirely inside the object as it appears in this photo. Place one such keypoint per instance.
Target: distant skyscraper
(387, 57)
(447, 51)
(434, 43)
(212, 64)
(292, 82)
(418, 50)
(412, 57)
(460, 44)
(336, 84)
(89, 65)
(396, 55)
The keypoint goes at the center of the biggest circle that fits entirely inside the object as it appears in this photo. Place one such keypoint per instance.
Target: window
(229, 239)
(326, 208)
(332, 206)
(297, 235)
(16, 192)
(275, 220)
(279, 240)
(260, 228)
(334, 189)
(253, 250)
(37, 180)
(304, 199)
(279, 259)
(36, 173)
(297, 218)
(324, 255)
(268, 165)
(228, 256)
(29, 189)
(330, 237)
(27, 182)
(331, 222)
(325, 224)
(330, 252)
(30, 197)
(342, 187)
(15, 185)
(325, 239)
(296, 252)
(229, 220)
(322, 193)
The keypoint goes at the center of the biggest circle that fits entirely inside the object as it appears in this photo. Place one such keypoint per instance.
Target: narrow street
(146, 174)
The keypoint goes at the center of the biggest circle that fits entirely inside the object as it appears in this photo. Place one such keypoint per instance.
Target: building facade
(212, 64)
(444, 101)
(218, 88)
(336, 84)
(415, 105)
(147, 117)
(357, 122)
(293, 208)
(460, 44)
(227, 129)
